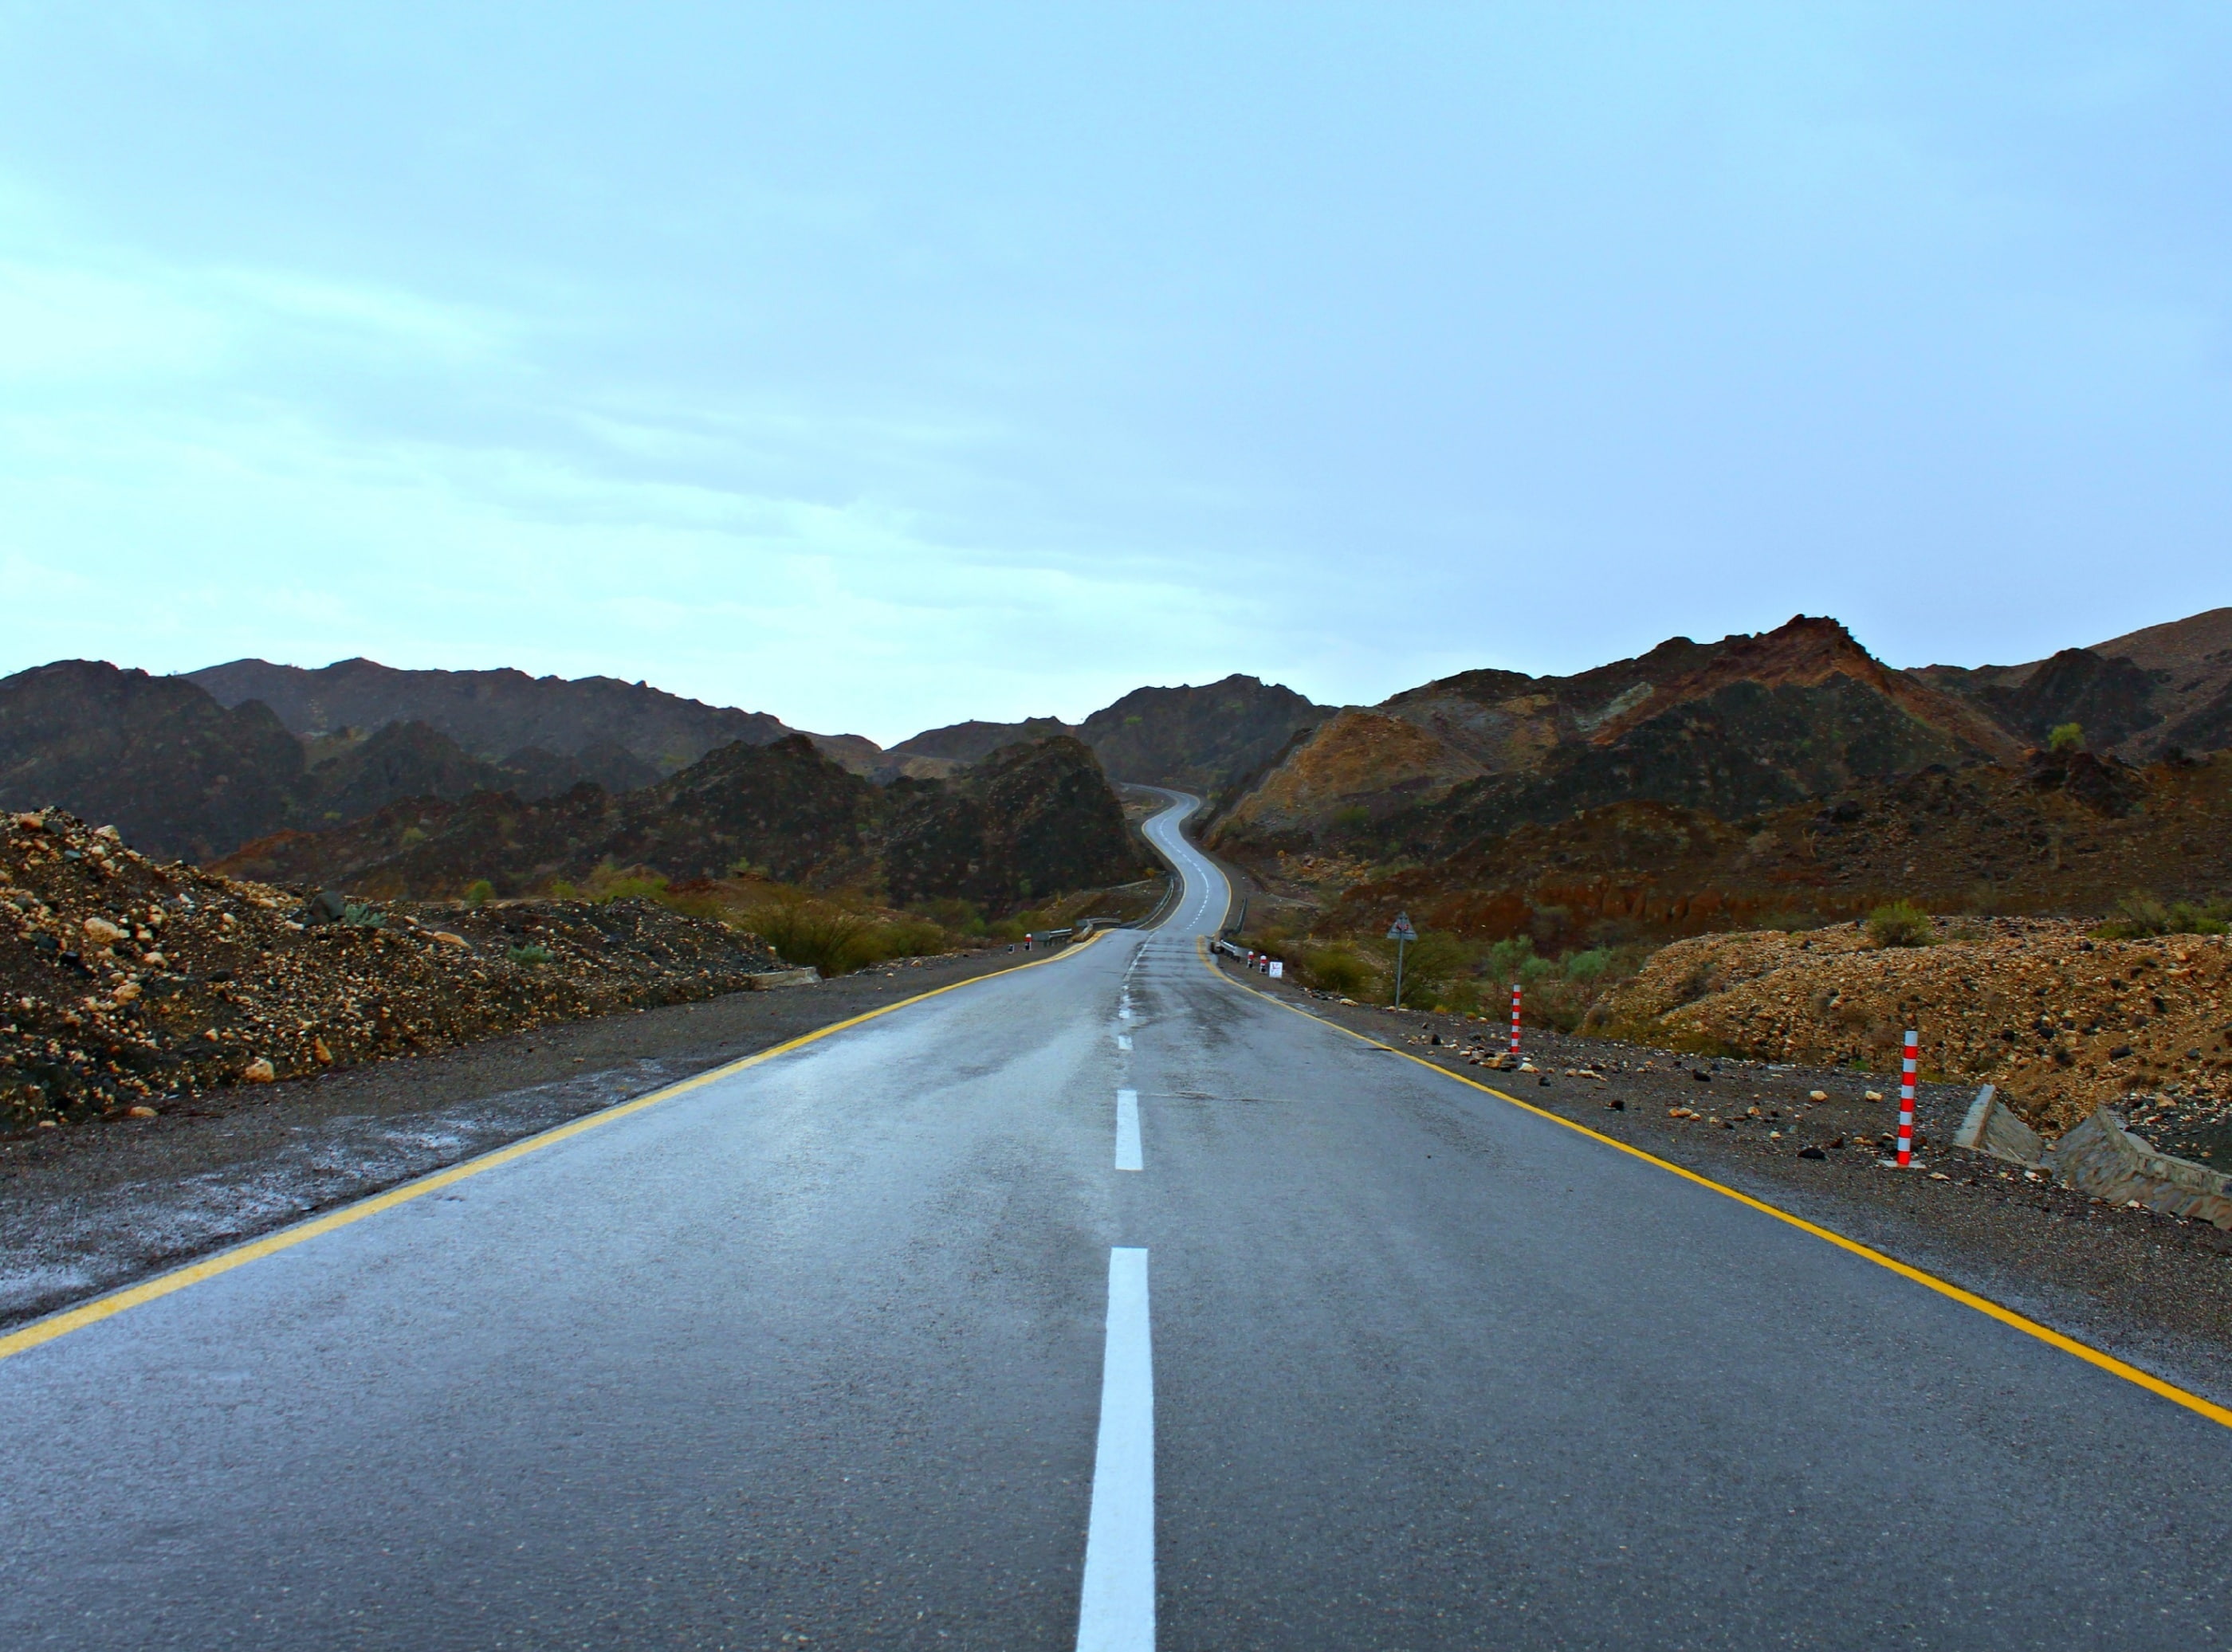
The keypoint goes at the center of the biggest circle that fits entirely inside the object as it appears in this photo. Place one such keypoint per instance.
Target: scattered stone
(260, 1071)
(1812, 1153)
(142, 1111)
(1817, 1095)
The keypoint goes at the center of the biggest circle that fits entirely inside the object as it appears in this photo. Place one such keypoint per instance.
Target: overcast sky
(883, 366)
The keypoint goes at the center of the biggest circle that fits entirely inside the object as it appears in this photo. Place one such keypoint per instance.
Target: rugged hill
(2138, 695)
(1208, 740)
(495, 714)
(181, 776)
(2064, 834)
(965, 743)
(1360, 767)
(1024, 823)
(1731, 729)
(185, 778)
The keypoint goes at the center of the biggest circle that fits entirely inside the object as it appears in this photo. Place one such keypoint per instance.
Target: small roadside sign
(1402, 930)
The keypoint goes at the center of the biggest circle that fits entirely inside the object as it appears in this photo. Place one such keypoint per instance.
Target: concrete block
(1991, 1127)
(769, 979)
(2102, 1159)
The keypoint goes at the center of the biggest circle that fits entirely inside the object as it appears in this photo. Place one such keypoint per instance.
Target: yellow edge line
(131, 1296)
(2091, 1355)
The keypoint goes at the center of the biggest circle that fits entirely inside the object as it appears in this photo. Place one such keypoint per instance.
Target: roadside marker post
(1906, 1098)
(1402, 932)
(1515, 1018)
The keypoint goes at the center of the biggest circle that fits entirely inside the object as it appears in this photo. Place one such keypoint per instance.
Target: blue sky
(879, 366)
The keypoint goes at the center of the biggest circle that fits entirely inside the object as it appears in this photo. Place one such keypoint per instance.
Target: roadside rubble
(2059, 1021)
(128, 987)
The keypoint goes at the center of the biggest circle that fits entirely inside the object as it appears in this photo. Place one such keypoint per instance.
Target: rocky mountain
(2164, 688)
(185, 778)
(496, 714)
(1021, 824)
(965, 743)
(1732, 728)
(1208, 740)
(179, 775)
(2065, 832)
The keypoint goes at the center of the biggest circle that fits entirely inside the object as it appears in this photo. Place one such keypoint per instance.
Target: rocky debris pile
(2059, 1020)
(126, 985)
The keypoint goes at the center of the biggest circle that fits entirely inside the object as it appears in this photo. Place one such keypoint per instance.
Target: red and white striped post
(1515, 1018)
(1906, 1099)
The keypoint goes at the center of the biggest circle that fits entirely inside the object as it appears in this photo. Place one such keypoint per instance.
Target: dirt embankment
(127, 984)
(2060, 1021)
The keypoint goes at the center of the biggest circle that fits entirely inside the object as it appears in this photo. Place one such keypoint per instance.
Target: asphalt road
(872, 1344)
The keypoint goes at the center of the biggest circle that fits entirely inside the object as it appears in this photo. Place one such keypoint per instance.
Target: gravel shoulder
(90, 1208)
(2155, 1290)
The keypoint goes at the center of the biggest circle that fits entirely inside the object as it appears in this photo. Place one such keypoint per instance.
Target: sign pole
(1402, 933)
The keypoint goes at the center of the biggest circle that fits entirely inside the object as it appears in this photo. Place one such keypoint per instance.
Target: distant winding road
(1097, 1303)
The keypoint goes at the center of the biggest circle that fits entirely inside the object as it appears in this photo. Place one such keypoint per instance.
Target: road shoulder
(88, 1210)
(2152, 1290)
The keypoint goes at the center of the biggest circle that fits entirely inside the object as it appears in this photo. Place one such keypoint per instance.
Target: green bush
(358, 915)
(811, 932)
(1352, 818)
(1900, 924)
(530, 955)
(953, 914)
(2067, 737)
(2145, 915)
(1430, 963)
(1588, 966)
(1505, 958)
(1460, 996)
(1335, 969)
(479, 891)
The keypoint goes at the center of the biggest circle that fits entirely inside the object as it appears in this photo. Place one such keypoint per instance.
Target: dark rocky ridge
(2067, 833)
(184, 778)
(1205, 740)
(490, 714)
(965, 743)
(2137, 697)
(1025, 823)
(1730, 729)
(506, 714)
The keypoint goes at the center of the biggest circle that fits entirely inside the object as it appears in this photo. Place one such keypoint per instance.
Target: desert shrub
(2141, 914)
(1589, 965)
(953, 914)
(1429, 964)
(811, 932)
(2067, 737)
(358, 915)
(1504, 960)
(910, 937)
(649, 886)
(563, 889)
(530, 955)
(1900, 924)
(479, 891)
(1352, 818)
(1335, 969)
(1459, 995)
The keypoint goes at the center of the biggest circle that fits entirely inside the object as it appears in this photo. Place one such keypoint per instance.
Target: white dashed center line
(1117, 1613)
(1127, 1131)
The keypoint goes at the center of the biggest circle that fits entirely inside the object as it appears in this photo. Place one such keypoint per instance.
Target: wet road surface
(874, 1343)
